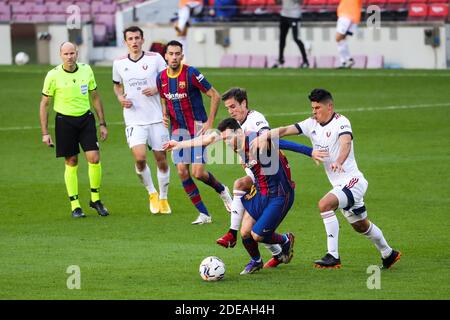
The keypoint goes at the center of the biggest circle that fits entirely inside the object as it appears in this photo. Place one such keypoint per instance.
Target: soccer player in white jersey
(236, 102)
(134, 77)
(332, 132)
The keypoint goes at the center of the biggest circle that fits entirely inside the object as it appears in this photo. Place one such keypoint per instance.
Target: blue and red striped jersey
(183, 96)
(272, 174)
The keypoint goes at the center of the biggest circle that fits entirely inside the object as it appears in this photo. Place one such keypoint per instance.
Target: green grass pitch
(401, 125)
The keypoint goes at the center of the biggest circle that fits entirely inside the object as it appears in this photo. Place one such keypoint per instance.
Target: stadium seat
(438, 11)
(100, 34)
(325, 62)
(242, 61)
(227, 61)
(258, 61)
(5, 12)
(417, 11)
(107, 19)
(375, 62)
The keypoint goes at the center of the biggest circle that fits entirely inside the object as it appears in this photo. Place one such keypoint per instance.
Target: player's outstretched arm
(43, 115)
(203, 140)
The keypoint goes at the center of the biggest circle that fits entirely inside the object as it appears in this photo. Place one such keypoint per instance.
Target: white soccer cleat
(202, 219)
(226, 198)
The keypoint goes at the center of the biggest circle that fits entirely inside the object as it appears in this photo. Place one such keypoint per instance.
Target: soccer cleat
(252, 267)
(99, 207)
(78, 213)
(393, 258)
(202, 219)
(274, 262)
(328, 261)
(227, 241)
(226, 198)
(153, 199)
(347, 64)
(164, 207)
(304, 65)
(287, 249)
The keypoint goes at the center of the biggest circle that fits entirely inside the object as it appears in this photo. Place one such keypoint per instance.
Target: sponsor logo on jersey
(345, 126)
(138, 83)
(182, 84)
(200, 77)
(313, 133)
(175, 96)
(328, 134)
(84, 88)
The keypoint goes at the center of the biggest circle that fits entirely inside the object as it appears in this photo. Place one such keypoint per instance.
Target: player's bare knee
(72, 161)
(141, 164)
(361, 226)
(256, 237)
(245, 233)
(241, 184)
(183, 174)
(324, 206)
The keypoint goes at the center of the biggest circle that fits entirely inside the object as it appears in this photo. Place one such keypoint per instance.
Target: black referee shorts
(70, 132)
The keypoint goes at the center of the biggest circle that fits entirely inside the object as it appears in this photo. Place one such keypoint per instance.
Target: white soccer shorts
(351, 198)
(154, 135)
(345, 26)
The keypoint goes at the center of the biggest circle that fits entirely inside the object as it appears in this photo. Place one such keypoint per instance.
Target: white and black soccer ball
(21, 58)
(212, 269)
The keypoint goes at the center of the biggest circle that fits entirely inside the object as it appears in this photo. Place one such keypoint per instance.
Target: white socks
(274, 248)
(343, 50)
(332, 228)
(237, 210)
(146, 178)
(163, 182)
(375, 235)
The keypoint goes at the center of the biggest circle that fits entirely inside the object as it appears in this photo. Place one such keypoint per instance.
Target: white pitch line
(387, 108)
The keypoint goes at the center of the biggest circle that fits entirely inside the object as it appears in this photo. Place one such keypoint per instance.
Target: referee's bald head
(67, 45)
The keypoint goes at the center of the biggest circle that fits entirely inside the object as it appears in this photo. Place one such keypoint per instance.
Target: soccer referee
(70, 85)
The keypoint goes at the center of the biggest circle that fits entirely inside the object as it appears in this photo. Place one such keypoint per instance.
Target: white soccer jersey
(136, 76)
(254, 122)
(326, 137)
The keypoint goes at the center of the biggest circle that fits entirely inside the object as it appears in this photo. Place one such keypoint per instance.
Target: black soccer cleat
(99, 207)
(393, 258)
(78, 213)
(328, 261)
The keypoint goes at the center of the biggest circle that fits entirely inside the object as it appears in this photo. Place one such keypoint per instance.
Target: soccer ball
(21, 58)
(212, 269)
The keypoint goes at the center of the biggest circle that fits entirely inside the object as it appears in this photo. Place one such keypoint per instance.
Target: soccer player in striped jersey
(236, 102)
(265, 208)
(180, 87)
(332, 132)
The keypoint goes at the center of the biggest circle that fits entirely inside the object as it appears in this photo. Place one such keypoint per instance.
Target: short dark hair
(239, 94)
(174, 43)
(132, 29)
(320, 95)
(228, 123)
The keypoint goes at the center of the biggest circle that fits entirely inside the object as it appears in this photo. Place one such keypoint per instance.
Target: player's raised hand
(318, 156)
(170, 145)
(124, 101)
(47, 139)
(150, 91)
(336, 167)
